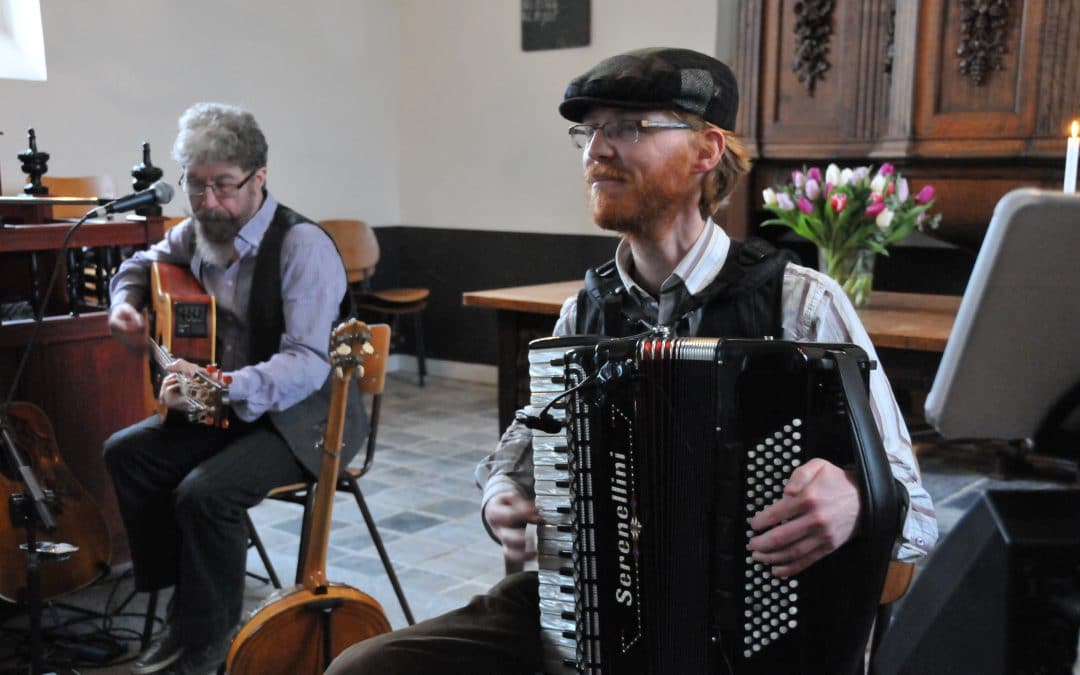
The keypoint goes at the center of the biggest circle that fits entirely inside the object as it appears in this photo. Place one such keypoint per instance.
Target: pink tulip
(890, 188)
(875, 208)
(902, 189)
(783, 200)
(886, 169)
(838, 200)
(925, 194)
(814, 174)
(805, 206)
(798, 178)
(813, 188)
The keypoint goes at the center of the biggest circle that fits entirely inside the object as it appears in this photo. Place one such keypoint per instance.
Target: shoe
(162, 653)
(204, 660)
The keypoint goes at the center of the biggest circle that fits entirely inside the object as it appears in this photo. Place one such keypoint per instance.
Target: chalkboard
(554, 24)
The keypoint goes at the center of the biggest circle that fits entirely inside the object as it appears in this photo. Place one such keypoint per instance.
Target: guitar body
(300, 630)
(183, 321)
(78, 519)
(286, 634)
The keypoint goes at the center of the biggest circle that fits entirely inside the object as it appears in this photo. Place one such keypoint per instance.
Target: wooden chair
(372, 383)
(360, 250)
(89, 268)
(77, 186)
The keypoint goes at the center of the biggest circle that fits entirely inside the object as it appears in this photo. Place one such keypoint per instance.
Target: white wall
(482, 144)
(414, 112)
(320, 76)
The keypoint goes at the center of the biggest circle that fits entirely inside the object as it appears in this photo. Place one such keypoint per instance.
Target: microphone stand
(31, 506)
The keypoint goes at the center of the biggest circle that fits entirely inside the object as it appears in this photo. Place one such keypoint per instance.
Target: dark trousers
(495, 634)
(183, 491)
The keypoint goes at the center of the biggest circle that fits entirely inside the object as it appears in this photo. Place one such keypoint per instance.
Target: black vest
(303, 424)
(744, 300)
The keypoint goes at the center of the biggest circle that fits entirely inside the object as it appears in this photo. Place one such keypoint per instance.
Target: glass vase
(853, 269)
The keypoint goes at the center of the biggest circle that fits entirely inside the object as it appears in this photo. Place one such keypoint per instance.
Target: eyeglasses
(621, 131)
(197, 188)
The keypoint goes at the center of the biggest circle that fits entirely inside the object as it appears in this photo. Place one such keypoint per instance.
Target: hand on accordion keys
(507, 514)
(817, 514)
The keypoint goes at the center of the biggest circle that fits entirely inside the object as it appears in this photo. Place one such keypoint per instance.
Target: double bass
(79, 521)
(301, 629)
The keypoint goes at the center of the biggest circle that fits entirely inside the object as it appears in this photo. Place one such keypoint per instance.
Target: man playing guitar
(183, 488)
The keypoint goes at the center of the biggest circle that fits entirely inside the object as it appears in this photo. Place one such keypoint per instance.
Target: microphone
(158, 193)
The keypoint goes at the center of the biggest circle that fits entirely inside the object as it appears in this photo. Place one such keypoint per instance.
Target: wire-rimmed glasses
(620, 131)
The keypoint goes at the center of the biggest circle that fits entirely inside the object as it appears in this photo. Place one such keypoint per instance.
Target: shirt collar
(250, 235)
(696, 270)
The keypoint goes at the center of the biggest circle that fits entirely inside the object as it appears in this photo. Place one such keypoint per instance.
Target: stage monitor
(1014, 351)
(1000, 596)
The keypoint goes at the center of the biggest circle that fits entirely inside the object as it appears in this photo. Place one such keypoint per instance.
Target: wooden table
(909, 332)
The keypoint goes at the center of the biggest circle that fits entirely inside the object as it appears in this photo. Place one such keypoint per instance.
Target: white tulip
(845, 177)
(832, 175)
(884, 219)
(878, 184)
(769, 195)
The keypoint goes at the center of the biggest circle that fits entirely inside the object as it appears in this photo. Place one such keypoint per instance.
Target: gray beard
(215, 252)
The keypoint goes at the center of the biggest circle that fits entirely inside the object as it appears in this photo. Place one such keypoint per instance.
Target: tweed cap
(657, 78)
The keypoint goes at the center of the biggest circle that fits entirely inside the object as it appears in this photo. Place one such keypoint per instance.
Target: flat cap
(657, 78)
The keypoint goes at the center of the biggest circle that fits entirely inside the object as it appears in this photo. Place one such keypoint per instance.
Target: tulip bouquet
(851, 214)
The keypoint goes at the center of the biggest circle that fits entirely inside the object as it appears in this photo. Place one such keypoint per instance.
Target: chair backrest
(358, 246)
(374, 378)
(77, 186)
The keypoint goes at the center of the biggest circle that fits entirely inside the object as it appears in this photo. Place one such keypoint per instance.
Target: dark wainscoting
(451, 262)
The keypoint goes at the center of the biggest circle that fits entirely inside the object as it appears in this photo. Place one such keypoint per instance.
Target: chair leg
(354, 487)
(418, 323)
(148, 623)
(256, 541)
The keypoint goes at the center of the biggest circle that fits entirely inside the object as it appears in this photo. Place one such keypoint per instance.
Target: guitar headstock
(350, 342)
(207, 397)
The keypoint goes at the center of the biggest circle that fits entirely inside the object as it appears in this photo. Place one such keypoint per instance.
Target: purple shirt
(312, 285)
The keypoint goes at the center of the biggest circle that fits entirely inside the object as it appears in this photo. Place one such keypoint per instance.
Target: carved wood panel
(978, 83)
(840, 49)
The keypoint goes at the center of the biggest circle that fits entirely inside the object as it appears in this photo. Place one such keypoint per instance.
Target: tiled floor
(421, 493)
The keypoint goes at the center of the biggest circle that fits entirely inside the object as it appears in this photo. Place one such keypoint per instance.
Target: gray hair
(212, 133)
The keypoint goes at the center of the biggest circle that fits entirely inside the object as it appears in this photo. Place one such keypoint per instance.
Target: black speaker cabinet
(1001, 594)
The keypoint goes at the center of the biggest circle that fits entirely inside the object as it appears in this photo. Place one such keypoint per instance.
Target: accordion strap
(881, 504)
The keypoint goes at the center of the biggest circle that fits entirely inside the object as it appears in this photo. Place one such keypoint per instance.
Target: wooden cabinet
(973, 96)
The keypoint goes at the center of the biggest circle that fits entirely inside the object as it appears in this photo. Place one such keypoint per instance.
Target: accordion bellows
(670, 446)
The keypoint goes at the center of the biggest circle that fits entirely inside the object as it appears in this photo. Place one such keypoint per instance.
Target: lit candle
(1072, 149)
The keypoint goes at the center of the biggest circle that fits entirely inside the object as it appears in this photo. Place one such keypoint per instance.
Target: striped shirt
(815, 309)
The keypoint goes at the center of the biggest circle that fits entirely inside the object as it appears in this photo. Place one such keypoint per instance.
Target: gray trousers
(183, 491)
(497, 633)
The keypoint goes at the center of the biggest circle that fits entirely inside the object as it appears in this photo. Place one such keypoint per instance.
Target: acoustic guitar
(184, 325)
(79, 522)
(301, 629)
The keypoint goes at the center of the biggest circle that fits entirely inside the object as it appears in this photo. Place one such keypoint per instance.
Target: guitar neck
(158, 353)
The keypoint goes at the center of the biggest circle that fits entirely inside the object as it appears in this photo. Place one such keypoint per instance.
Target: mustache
(599, 172)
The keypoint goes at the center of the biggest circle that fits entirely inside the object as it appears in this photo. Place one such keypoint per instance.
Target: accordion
(655, 454)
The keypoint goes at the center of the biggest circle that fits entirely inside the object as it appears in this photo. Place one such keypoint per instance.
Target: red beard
(641, 204)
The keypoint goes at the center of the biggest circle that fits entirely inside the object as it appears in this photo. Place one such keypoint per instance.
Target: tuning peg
(343, 349)
(367, 348)
(359, 371)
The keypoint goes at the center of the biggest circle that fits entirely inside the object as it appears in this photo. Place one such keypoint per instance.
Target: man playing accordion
(659, 158)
